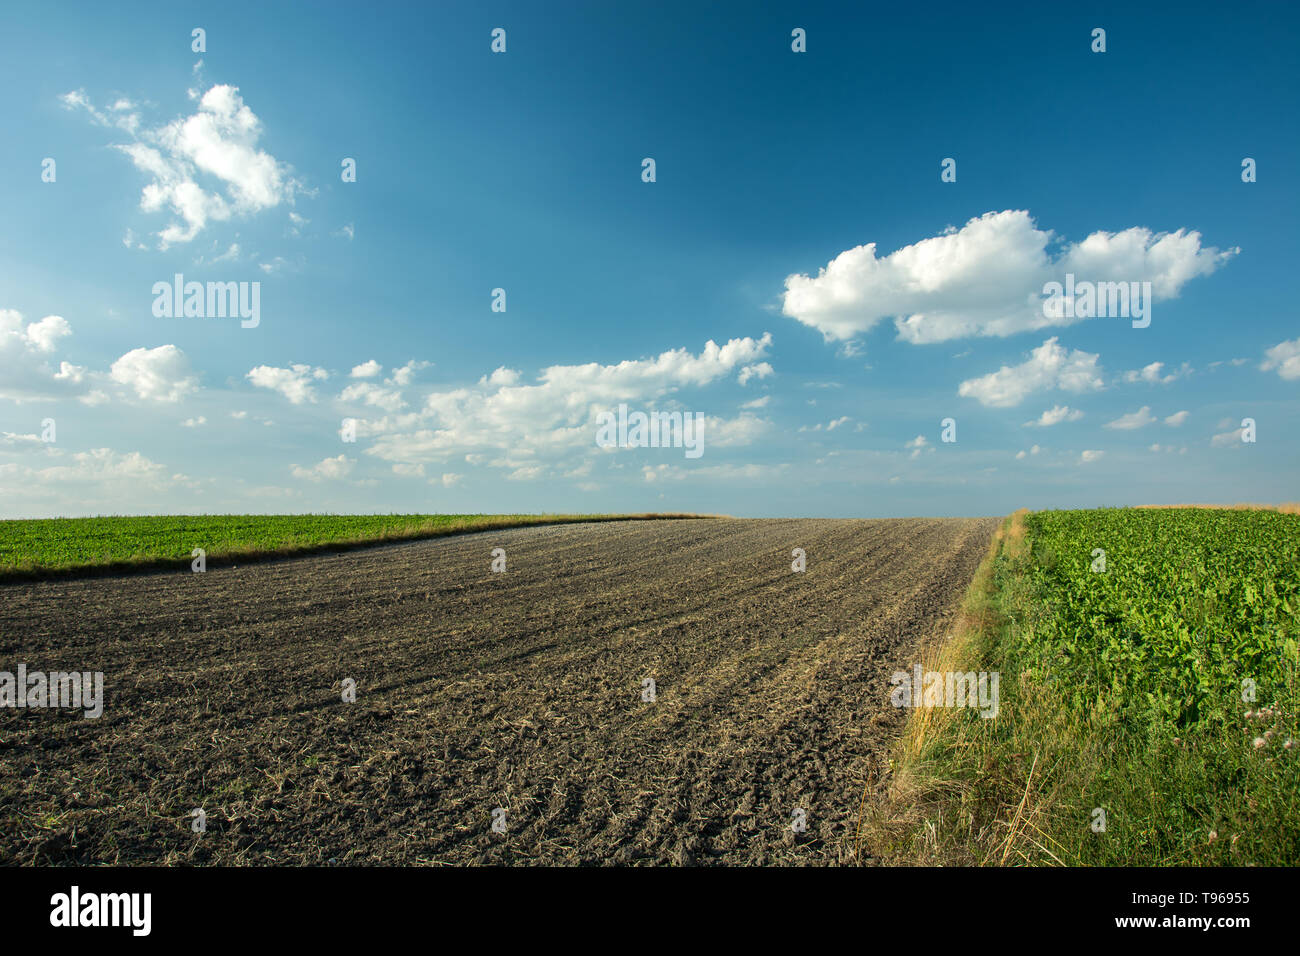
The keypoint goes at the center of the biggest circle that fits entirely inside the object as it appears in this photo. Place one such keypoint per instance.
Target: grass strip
(1125, 734)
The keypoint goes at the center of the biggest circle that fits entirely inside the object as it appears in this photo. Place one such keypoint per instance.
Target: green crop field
(1148, 663)
(59, 545)
(1167, 613)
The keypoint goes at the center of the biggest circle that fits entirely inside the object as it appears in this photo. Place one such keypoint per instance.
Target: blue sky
(832, 365)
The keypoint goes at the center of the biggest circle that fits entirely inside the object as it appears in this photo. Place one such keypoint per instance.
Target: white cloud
(403, 376)
(367, 369)
(294, 382)
(1228, 439)
(1151, 374)
(389, 396)
(379, 396)
(1050, 366)
(1285, 357)
(985, 278)
(37, 336)
(194, 422)
(1032, 451)
(68, 372)
(526, 473)
(557, 414)
(1177, 418)
(25, 374)
(502, 376)
(757, 402)
(104, 464)
(44, 334)
(219, 142)
(121, 114)
(339, 466)
(1054, 416)
(1090, 455)
(760, 370)
(159, 375)
(1139, 419)
(727, 432)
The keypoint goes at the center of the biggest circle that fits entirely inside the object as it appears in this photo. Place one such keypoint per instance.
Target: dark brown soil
(478, 691)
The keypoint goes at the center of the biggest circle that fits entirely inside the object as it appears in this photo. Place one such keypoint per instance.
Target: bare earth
(477, 691)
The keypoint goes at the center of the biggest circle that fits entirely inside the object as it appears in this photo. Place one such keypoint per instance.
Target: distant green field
(39, 547)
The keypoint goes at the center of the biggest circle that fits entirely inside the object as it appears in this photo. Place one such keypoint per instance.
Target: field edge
(229, 556)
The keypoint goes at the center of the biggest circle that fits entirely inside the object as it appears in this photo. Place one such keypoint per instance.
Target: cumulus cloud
(158, 375)
(379, 396)
(502, 376)
(557, 414)
(403, 376)
(388, 396)
(295, 382)
(1228, 439)
(1285, 358)
(68, 372)
(218, 143)
(745, 429)
(25, 374)
(985, 278)
(1032, 451)
(1090, 455)
(1050, 366)
(105, 464)
(367, 369)
(1139, 419)
(1177, 418)
(1054, 416)
(1151, 374)
(42, 335)
(340, 466)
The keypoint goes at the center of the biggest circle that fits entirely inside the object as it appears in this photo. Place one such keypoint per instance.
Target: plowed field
(514, 698)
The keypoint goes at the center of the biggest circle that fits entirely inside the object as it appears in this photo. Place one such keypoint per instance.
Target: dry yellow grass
(901, 807)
